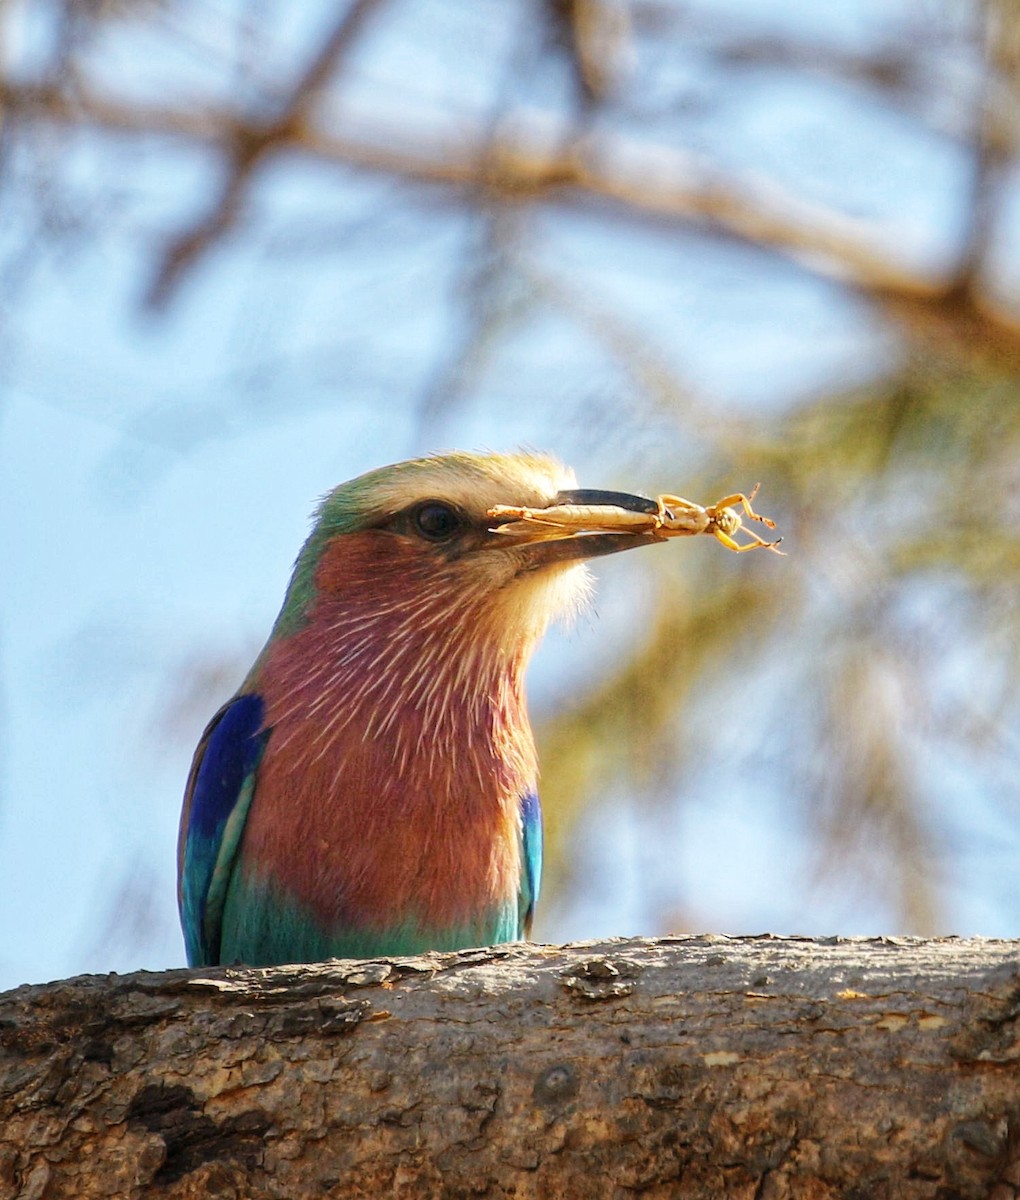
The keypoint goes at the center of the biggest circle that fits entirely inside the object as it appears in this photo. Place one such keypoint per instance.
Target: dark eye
(436, 521)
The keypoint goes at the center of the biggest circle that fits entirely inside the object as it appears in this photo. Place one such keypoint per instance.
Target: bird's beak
(582, 523)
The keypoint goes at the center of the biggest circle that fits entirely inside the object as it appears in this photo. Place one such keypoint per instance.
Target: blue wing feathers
(531, 865)
(216, 804)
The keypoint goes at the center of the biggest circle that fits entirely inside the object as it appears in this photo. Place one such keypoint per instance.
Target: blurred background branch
(687, 246)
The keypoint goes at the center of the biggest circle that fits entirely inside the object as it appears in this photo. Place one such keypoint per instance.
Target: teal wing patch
(531, 861)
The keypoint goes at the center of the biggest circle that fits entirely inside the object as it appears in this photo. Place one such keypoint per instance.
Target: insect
(667, 516)
(678, 516)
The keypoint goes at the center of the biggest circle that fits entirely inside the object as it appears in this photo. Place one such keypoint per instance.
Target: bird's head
(413, 542)
(413, 610)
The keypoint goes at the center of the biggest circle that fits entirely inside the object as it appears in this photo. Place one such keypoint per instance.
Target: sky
(157, 472)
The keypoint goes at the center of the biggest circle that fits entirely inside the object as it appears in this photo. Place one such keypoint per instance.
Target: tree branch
(690, 1067)
(248, 143)
(644, 180)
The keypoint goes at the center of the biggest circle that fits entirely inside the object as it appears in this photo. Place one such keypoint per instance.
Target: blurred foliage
(894, 620)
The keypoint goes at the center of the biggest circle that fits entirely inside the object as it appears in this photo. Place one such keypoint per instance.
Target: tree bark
(692, 1067)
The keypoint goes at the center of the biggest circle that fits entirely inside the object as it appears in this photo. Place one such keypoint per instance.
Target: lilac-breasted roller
(371, 787)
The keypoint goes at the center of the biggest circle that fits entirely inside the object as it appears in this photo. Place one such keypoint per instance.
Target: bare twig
(649, 180)
(247, 144)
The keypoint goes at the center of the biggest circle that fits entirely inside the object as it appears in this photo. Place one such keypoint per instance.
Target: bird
(371, 787)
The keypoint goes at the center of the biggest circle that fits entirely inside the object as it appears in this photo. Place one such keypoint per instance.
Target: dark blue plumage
(218, 795)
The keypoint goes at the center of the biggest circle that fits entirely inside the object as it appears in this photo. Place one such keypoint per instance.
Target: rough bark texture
(757, 1068)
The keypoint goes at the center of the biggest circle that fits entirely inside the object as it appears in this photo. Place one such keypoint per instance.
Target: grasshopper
(668, 516)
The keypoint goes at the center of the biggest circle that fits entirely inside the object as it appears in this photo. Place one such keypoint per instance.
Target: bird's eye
(436, 521)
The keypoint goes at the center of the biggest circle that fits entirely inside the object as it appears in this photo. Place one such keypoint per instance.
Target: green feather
(262, 925)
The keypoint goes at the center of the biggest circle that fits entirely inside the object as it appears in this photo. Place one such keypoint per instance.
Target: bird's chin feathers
(531, 600)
